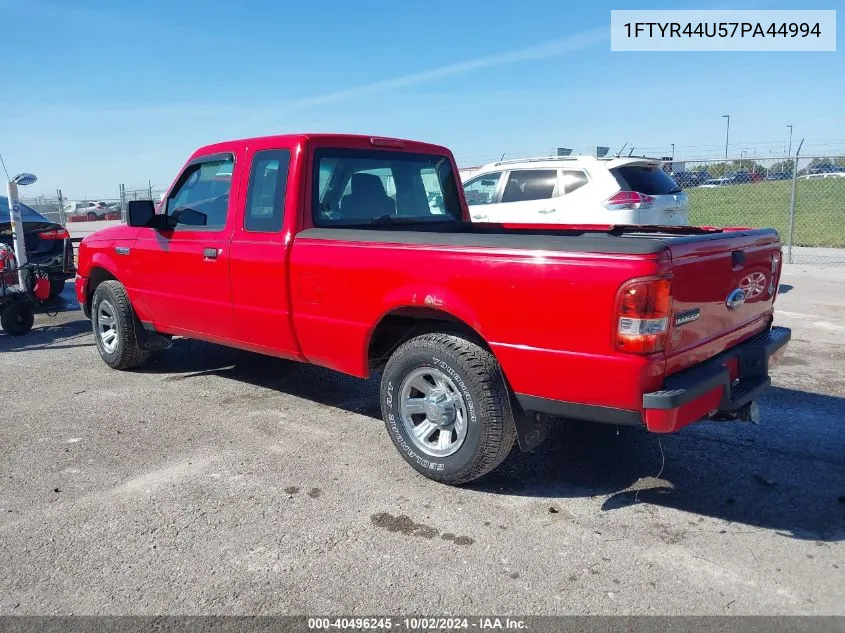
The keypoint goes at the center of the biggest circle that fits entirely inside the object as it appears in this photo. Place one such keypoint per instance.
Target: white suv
(576, 190)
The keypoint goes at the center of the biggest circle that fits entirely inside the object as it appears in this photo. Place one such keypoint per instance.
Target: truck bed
(627, 240)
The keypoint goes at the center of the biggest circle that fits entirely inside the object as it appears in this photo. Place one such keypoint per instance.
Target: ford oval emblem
(735, 299)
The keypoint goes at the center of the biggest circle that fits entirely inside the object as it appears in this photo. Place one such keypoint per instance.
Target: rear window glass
(374, 187)
(651, 181)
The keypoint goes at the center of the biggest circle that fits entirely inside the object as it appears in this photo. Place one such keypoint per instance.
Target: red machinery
(17, 304)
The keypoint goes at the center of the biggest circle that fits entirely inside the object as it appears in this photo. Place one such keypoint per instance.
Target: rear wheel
(17, 318)
(115, 326)
(447, 408)
(91, 217)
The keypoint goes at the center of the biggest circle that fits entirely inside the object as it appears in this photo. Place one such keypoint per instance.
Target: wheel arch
(98, 275)
(402, 323)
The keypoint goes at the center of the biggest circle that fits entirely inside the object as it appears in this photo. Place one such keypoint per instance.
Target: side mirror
(488, 183)
(140, 213)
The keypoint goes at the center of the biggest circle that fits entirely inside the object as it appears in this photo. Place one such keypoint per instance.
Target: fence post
(792, 204)
(150, 183)
(62, 218)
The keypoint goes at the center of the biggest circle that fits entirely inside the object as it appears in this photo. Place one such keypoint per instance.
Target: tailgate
(723, 289)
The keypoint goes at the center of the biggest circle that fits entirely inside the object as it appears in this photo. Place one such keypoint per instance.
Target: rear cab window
(646, 179)
(366, 188)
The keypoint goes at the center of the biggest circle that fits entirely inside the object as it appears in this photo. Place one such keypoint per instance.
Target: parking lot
(216, 481)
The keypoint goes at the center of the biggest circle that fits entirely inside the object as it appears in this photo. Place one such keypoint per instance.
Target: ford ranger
(355, 253)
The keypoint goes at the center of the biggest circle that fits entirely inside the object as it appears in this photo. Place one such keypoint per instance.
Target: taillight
(54, 234)
(628, 200)
(642, 315)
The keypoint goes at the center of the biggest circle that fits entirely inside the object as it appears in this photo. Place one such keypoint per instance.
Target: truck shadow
(786, 475)
(189, 358)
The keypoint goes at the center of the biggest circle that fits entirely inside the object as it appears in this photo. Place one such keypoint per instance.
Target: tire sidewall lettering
(461, 384)
(394, 424)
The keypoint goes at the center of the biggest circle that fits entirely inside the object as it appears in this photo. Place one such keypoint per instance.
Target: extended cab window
(201, 197)
(530, 184)
(265, 198)
(374, 187)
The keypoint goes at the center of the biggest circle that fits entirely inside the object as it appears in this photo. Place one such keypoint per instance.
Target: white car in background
(576, 190)
(823, 175)
(88, 210)
(713, 183)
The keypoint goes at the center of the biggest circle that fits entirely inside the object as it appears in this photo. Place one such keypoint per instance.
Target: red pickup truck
(356, 253)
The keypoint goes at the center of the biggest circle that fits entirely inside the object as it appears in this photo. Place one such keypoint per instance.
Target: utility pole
(789, 151)
(727, 133)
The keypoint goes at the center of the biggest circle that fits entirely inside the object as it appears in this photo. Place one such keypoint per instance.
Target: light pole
(789, 151)
(727, 133)
(17, 223)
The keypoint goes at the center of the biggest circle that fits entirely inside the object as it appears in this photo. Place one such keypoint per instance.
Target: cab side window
(201, 199)
(265, 198)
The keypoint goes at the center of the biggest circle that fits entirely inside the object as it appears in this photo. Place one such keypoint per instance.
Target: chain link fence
(64, 210)
(803, 200)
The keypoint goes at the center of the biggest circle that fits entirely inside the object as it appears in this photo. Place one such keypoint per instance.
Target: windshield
(369, 188)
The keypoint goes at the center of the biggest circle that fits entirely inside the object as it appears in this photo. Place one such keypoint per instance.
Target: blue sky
(110, 92)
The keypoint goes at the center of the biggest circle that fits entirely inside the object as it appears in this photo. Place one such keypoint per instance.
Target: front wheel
(447, 408)
(114, 326)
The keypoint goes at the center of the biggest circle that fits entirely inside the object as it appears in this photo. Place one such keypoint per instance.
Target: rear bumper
(725, 383)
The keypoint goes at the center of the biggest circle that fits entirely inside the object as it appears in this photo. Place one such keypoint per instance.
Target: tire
(56, 287)
(472, 385)
(17, 318)
(91, 217)
(112, 312)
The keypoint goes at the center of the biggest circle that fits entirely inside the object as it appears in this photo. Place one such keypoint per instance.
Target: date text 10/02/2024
(418, 624)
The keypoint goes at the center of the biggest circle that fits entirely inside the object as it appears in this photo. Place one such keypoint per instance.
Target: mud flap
(148, 339)
(531, 429)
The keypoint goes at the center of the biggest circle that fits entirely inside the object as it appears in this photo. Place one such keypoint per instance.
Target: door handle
(479, 217)
(211, 253)
(546, 211)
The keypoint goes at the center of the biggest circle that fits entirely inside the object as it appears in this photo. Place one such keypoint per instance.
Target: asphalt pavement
(215, 481)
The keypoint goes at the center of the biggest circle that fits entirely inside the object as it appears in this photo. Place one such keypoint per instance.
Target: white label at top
(708, 30)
